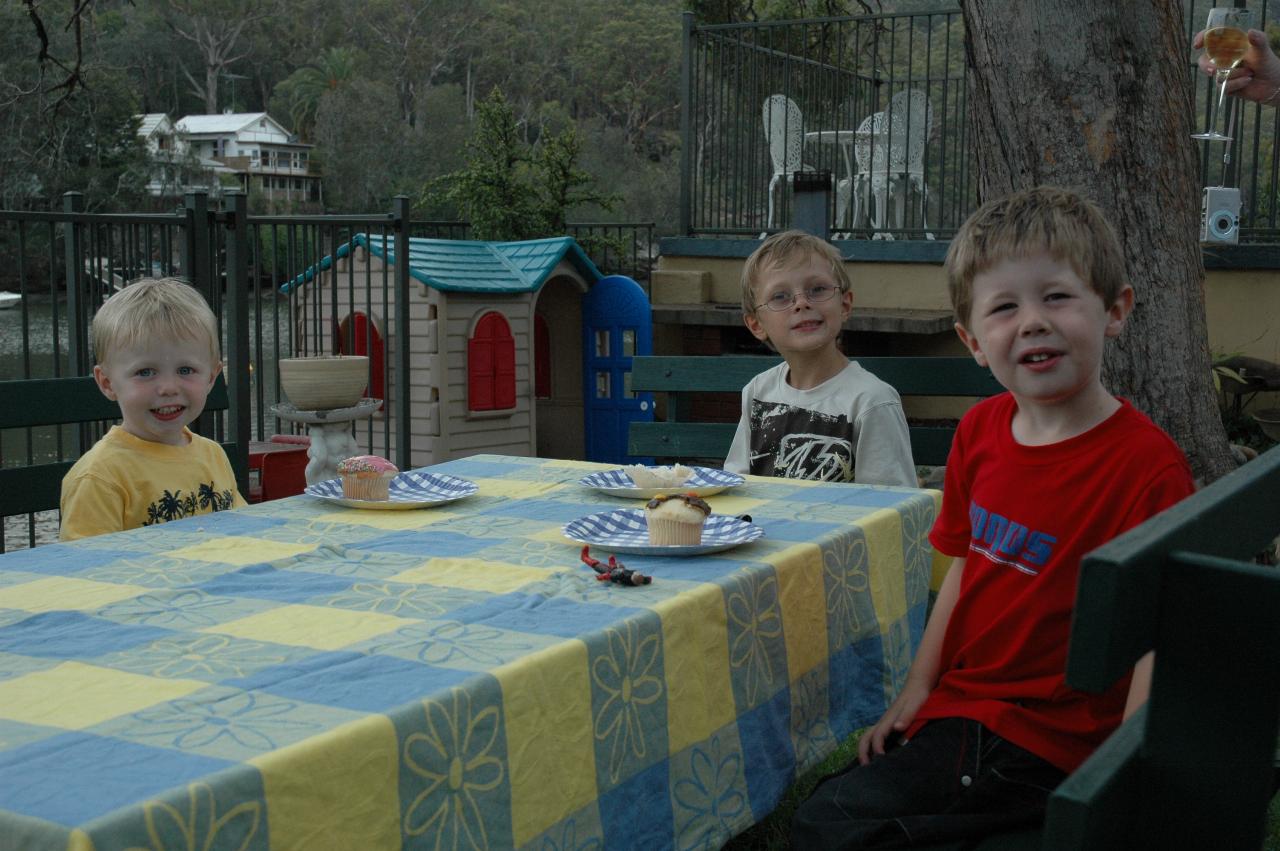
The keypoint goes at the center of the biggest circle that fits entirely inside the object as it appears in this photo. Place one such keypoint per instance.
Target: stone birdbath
(325, 394)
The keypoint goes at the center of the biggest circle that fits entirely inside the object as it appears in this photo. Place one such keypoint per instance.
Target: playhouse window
(491, 365)
(358, 336)
(541, 358)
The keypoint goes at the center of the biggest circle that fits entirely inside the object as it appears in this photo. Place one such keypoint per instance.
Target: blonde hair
(166, 308)
(783, 248)
(1066, 225)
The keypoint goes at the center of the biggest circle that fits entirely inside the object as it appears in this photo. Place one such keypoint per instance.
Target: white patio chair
(890, 157)
(868, 142)
(784, 130)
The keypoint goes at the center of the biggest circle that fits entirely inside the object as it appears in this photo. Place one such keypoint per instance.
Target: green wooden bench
(36, 402)
(1194, 768)
(685, 377)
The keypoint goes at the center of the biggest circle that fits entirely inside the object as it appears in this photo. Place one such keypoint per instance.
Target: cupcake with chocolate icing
(676, 520)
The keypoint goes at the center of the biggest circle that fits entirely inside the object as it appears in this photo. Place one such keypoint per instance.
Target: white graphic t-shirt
(850, 428)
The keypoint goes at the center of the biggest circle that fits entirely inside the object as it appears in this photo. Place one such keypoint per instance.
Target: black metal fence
(64, 265)
(878, 102)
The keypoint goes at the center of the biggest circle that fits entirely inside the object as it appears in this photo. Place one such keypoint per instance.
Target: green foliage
(511, 190)
(388, 94)
(300, 93)
(560, 185)
(492, 191)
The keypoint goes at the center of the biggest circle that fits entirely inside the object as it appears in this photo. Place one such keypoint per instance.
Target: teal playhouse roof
(455, 265)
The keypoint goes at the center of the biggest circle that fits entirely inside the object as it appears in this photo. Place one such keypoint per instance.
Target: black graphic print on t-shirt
(174, 505)
(797, 443)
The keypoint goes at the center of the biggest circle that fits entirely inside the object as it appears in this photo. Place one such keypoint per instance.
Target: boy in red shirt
(986, 725)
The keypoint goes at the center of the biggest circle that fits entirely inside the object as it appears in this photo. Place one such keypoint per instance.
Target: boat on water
(8, 299)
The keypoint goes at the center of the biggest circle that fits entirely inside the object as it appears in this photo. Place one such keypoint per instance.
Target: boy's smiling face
(1040, 328)
(805, 327)
(161, 387)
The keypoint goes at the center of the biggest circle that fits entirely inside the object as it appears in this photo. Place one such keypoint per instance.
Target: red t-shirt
(1025, 515)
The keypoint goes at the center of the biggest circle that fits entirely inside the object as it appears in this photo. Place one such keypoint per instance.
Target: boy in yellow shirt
(157, 348)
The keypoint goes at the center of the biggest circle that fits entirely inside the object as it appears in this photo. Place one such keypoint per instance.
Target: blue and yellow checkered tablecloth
(298, 675)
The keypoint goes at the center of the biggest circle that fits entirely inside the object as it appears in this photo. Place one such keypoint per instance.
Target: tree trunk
(1095, 95)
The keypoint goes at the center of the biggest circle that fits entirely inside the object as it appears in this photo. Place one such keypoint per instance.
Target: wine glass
(1225, 41)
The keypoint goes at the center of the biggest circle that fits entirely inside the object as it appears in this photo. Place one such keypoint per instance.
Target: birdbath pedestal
(330, 432)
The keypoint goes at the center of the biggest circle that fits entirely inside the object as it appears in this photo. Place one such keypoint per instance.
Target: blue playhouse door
(616, 324)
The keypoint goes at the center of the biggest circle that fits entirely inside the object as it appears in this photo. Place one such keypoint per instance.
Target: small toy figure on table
(613, 571)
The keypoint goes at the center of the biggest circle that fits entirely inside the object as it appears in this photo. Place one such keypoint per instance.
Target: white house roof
(151, 121)
(230, 122)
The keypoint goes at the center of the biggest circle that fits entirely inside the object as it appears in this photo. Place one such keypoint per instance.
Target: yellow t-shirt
(124, 482)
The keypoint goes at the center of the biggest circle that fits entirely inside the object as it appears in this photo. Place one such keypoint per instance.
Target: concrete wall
(1243, 307)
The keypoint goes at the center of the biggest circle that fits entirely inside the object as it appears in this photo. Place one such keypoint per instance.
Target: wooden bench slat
(1233, 517)
(680, 440)
(684, 376)
(910, 376)
(37, 488)
(1093, 806)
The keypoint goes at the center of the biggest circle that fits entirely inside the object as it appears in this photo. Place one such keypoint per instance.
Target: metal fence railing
(833, 75)
(908, 172)
(64, 265)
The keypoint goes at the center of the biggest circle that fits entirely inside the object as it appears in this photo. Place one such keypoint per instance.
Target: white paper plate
(624, 530)
(704, 482)
(411, 489)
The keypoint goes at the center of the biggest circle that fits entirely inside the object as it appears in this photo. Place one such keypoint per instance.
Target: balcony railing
(838, 72)
(258, 166)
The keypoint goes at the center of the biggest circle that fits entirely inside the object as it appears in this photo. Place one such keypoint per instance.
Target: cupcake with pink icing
(366, 477)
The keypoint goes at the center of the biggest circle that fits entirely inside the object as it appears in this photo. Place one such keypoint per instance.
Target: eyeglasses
(785, 299)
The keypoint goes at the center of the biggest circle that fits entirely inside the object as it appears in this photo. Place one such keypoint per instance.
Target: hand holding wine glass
(1225, 41)
(1257, 77)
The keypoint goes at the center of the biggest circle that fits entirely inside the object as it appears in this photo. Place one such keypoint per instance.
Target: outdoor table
(846, 139)
(843, 138)
(297, 674)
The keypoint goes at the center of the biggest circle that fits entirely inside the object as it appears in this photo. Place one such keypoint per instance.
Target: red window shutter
(541, 358)
(504, 378)
(480, 373)
(364, 333)
(491, 365)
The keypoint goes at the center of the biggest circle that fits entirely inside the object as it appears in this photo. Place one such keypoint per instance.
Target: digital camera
(1220, 215)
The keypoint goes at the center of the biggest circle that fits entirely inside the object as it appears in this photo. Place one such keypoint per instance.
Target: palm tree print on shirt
(174, 505)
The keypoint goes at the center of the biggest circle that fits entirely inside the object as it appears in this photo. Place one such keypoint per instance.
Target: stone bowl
(324, 382)
(1269, 420)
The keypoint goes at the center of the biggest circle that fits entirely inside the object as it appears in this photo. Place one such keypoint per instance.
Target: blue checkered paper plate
(704, 482)
(624, 530)
(411, 489)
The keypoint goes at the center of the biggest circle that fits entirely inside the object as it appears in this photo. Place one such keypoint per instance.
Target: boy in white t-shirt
(817, 415)
(156, 342)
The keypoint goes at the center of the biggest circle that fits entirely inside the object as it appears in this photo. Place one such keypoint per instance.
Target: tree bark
(1095, 95)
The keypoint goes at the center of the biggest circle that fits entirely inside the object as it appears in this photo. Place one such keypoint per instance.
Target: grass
(773, 832)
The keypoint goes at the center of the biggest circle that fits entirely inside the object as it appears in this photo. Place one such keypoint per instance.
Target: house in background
(516, 348)
(258, 150)
(175, 169)
(250, 150)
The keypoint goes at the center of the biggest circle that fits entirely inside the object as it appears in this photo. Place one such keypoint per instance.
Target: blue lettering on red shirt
(1007, 541)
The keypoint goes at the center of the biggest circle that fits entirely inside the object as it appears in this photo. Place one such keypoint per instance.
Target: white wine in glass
(1226, 39)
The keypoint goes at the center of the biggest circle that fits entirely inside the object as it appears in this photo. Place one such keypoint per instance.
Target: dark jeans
(955, 781)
